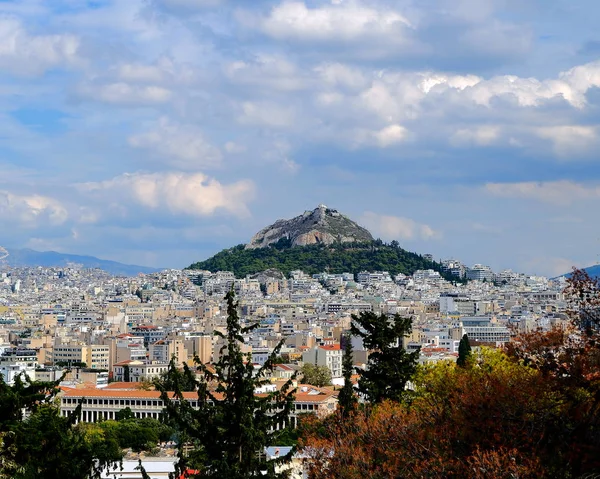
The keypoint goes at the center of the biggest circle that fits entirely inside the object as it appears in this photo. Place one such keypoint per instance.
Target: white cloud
(138, 72)
(563, 192)
(267, 72)
(188, 4)
(26, 54)
(164, 71)
(397, 228)
(388, 136)
(266, 114)
(121, 93)
(338, 75)
(569, 139)
(31, 210)
(234, 148)
(184, 146)
(481, 135)
(337, 22)
(179, 193)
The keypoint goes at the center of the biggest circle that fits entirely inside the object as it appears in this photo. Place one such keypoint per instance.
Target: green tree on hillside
(337, 258)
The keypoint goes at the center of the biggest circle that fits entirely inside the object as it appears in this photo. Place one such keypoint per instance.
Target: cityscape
(299, 239)
(105, 336)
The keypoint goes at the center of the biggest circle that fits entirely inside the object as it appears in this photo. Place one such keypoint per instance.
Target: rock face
(321, 226)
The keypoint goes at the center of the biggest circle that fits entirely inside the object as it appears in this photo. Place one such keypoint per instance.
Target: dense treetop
(335, 259)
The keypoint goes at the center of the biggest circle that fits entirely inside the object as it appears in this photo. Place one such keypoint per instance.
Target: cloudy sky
(158, 132)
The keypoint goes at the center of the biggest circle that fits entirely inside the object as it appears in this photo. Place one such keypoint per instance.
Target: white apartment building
(480, 272)
(136, 371)
(483, 329)
(328, 355)
(17, 361)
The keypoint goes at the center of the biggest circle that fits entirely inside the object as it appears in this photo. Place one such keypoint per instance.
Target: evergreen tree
(231, 424)
(390, 366)
(36, 441)
(464, 351)
(346, 399)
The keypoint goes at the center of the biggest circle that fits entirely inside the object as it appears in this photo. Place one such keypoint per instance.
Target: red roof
(331, 347)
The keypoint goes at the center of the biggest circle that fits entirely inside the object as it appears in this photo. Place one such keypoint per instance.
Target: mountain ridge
(25, 257)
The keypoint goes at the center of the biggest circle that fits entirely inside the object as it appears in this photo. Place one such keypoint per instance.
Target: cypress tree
(346, 399)
(390, 366)
(464, 351)
(232, 424)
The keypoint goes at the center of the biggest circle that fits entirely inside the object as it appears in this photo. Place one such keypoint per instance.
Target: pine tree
(37, 441)
(464, 351)
(231, 424)
(346, 399)
(390, 366)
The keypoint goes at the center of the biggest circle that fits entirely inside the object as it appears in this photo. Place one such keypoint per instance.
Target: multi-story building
(18, 361)
(328, 355)
(136, 371)
(482, 329)
(164, 350)
(480, 272)
(95, 356)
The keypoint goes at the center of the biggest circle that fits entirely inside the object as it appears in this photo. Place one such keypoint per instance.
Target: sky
(158, 132)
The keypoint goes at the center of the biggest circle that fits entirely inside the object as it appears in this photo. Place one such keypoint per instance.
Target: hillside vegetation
(346, 258)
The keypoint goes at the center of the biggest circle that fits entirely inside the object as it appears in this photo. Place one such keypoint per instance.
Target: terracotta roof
(302, 397)
(122, 385)
(122, 393)
(284, 367)
(123, 363)
(331, 347)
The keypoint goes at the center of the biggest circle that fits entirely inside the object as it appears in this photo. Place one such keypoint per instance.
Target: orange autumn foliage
(531, 411)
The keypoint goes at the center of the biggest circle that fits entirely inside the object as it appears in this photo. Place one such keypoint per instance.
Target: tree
(346, 398)
(464, 351)
(390, 366)
(231, 423)
(493, 421)
(316, 375)
(583, 297)
(36, 441)
(176, 379)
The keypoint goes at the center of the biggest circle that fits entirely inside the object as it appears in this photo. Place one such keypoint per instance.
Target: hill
(32, 258)
(593, 271)
(322, 225)
(337, 258)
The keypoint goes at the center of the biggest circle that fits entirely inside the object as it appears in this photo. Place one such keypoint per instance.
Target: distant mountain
(322, 225)
(593, 271)
(29, 257)
(316, 241)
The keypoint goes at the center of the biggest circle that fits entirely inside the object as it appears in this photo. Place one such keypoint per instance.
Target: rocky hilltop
(322, 225)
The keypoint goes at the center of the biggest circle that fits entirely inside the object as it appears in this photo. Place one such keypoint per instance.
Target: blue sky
(158, 132)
